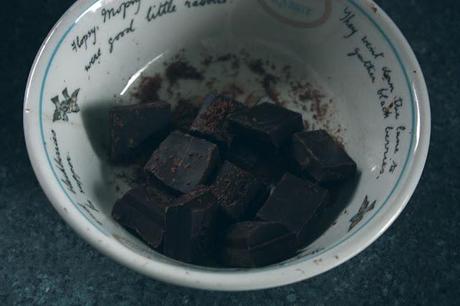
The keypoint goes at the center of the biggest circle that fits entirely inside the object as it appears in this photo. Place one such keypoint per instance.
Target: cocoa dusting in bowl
(306, 93)
(257, 66)
(208, 60)
(181, 70)
(269, 81)
(287, 71)
(235, 61)
(148, 89)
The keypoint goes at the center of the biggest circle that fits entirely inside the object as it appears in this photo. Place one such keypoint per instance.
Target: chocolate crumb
(182, 70)
(318, 108)
(149, 88)
(306, 93)
(225, 58)
(269, 81)
(257, 66)
(287, 71)
(207, 60)
(235, 61)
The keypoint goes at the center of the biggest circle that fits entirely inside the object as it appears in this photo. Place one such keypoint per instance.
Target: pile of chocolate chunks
(230, 185)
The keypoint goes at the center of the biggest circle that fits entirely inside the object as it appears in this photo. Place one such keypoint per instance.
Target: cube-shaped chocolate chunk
(142, 211)
(242, 154)
(266, 123)
(211, 120)
(293, 203)
(256, 244)
(182, 162)
(319, 155)
(239, 193)
(191, 227)
(269, 166)
(134, 128)
(184, 114)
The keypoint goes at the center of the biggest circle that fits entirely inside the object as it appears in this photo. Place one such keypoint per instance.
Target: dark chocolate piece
(239, 193)
(135, 127)
(317, 154)
(211, 121)
(293, 203)
(182, 162)
(184, 114)
(256, 244)
(142, 211)
(266, 123)
(267, 165)
(191, 226)
(244, 155)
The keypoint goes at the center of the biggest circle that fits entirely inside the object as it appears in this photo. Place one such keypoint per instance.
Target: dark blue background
(417, 261)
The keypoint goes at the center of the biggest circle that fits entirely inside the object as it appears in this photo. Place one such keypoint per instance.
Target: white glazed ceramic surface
(348, 52)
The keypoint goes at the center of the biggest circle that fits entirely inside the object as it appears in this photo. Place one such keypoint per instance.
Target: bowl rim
(238, 280)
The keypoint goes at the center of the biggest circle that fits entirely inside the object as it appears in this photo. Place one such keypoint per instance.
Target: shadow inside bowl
(95, 117)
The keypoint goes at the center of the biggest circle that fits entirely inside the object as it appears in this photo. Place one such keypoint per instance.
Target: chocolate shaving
(149, 88)
(182, 70)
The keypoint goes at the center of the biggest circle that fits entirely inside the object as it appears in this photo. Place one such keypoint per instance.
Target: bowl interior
(333, 61)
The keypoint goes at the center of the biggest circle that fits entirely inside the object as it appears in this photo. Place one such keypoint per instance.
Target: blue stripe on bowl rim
(348, 235)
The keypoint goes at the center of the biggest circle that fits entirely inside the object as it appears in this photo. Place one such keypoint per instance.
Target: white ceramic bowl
(359, 78)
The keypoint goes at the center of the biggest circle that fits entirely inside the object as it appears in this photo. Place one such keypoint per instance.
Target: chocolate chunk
(257, 243)
(293, 203)
(142, 211)
(211, 121)
(137, 127)
(266, 123)
(317, 154)
(327, 214)
(243, 155)
(191, 226)
(184, 114)
(267, 165)
(182, 162)
(239, 193)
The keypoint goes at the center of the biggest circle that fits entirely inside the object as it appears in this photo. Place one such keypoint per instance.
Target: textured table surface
(417, 261)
